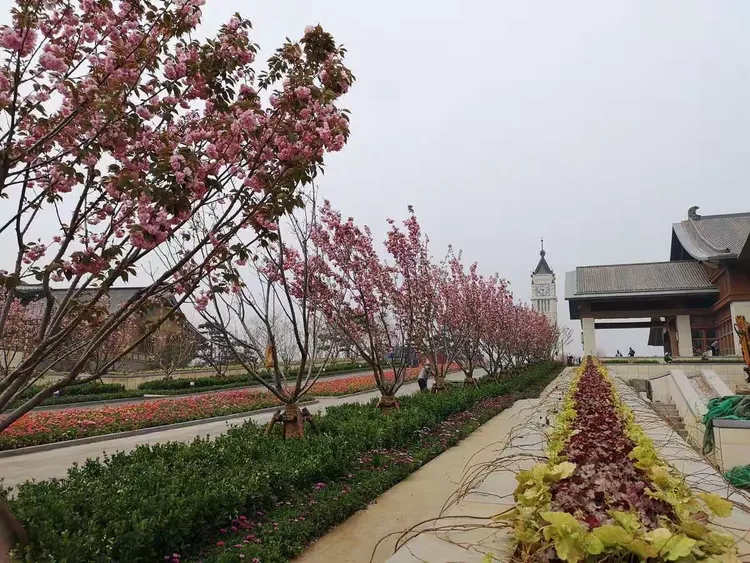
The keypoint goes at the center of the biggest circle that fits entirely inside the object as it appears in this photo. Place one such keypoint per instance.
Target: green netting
(739, 476)
(736, 407)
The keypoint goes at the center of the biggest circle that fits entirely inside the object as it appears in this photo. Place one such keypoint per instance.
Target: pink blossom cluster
(410, 302)
(147, 123)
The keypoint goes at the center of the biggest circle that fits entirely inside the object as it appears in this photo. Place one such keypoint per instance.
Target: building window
(702, 339)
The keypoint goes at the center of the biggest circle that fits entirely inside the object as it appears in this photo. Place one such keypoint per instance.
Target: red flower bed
(357, 383)
(605, 477)
(56, 426)
(44, 427)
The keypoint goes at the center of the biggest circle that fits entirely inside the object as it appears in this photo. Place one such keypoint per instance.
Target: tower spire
(542, 252)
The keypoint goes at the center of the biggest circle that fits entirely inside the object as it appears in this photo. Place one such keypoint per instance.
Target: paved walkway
(419, 496)
(55, 463)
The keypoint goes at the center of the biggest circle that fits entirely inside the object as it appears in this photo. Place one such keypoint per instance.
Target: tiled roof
(650, 277)
(714, 237)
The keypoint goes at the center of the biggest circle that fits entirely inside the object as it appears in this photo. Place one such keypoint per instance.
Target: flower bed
(288, 528)
(605, 492)
(44, 427)
(356, 384)
(174, 498)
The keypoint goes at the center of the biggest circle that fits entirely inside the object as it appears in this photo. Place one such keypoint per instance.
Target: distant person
(714, 348)
(424, 373)
(618, 354)
(631, 352)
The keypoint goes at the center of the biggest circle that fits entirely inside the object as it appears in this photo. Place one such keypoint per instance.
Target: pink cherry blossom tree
(171, 347)
(261, 302)
(467, 313)
(373, 306)
(431, 295)
(496, 316)
(119, 127)
(15, 340)
(23, 321)
(104, 358)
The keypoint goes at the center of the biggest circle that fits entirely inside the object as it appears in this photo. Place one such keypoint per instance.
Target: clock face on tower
(542, 290)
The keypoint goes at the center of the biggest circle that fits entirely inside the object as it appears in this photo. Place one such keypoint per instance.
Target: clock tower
(543, 289)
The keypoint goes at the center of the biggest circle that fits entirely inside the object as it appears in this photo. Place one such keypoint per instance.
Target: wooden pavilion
(691, 300)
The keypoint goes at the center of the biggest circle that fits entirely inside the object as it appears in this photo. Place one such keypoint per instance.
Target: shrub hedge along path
(246, 497)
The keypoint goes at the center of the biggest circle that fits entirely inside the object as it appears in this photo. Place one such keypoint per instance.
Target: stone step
(669, 412)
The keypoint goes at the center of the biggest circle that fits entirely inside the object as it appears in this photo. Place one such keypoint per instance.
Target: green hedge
(85, 392)
(229, 381)
(94, 388)
(73, 399)
(156, 500)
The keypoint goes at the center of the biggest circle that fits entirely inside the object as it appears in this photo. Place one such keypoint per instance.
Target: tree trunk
(469, 381)
(439, 385)
(11, 533)
(294, 426)
(387, 403)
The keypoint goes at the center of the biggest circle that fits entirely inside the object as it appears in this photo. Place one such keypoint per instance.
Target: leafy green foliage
(157, 500)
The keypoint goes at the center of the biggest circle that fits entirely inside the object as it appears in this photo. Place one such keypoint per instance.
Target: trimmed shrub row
(158, 500)
(229, 381)
(95, 391)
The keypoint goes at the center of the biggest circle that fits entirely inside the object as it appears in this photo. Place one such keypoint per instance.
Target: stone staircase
(669, 412)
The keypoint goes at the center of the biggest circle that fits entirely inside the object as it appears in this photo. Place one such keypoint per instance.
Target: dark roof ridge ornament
(542, 253)
(693, 218)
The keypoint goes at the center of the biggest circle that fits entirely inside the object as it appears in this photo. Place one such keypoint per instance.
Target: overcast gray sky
(593, 124)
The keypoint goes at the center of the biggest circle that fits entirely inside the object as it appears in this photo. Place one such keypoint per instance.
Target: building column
(738, 308)
(588, 336)
(684, 336)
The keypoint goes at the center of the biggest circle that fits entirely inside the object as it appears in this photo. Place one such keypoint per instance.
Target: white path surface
(55, 463)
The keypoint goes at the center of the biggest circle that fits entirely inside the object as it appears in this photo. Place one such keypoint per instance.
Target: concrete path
(420, 496)
(55, 463)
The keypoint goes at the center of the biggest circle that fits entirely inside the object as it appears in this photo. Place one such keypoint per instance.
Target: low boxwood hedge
(230, 381)
(157, 500)
(73, 399)
(95, 391)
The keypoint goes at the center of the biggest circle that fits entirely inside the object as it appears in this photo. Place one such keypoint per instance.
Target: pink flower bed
(44, 427)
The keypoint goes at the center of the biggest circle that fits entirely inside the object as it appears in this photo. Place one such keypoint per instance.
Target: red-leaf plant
(605, 477)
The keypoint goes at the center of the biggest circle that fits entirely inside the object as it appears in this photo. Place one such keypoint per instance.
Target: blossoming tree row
(130, 148)
(119, 130)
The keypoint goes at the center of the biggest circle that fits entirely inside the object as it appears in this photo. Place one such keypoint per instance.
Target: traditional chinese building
(691, 299)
